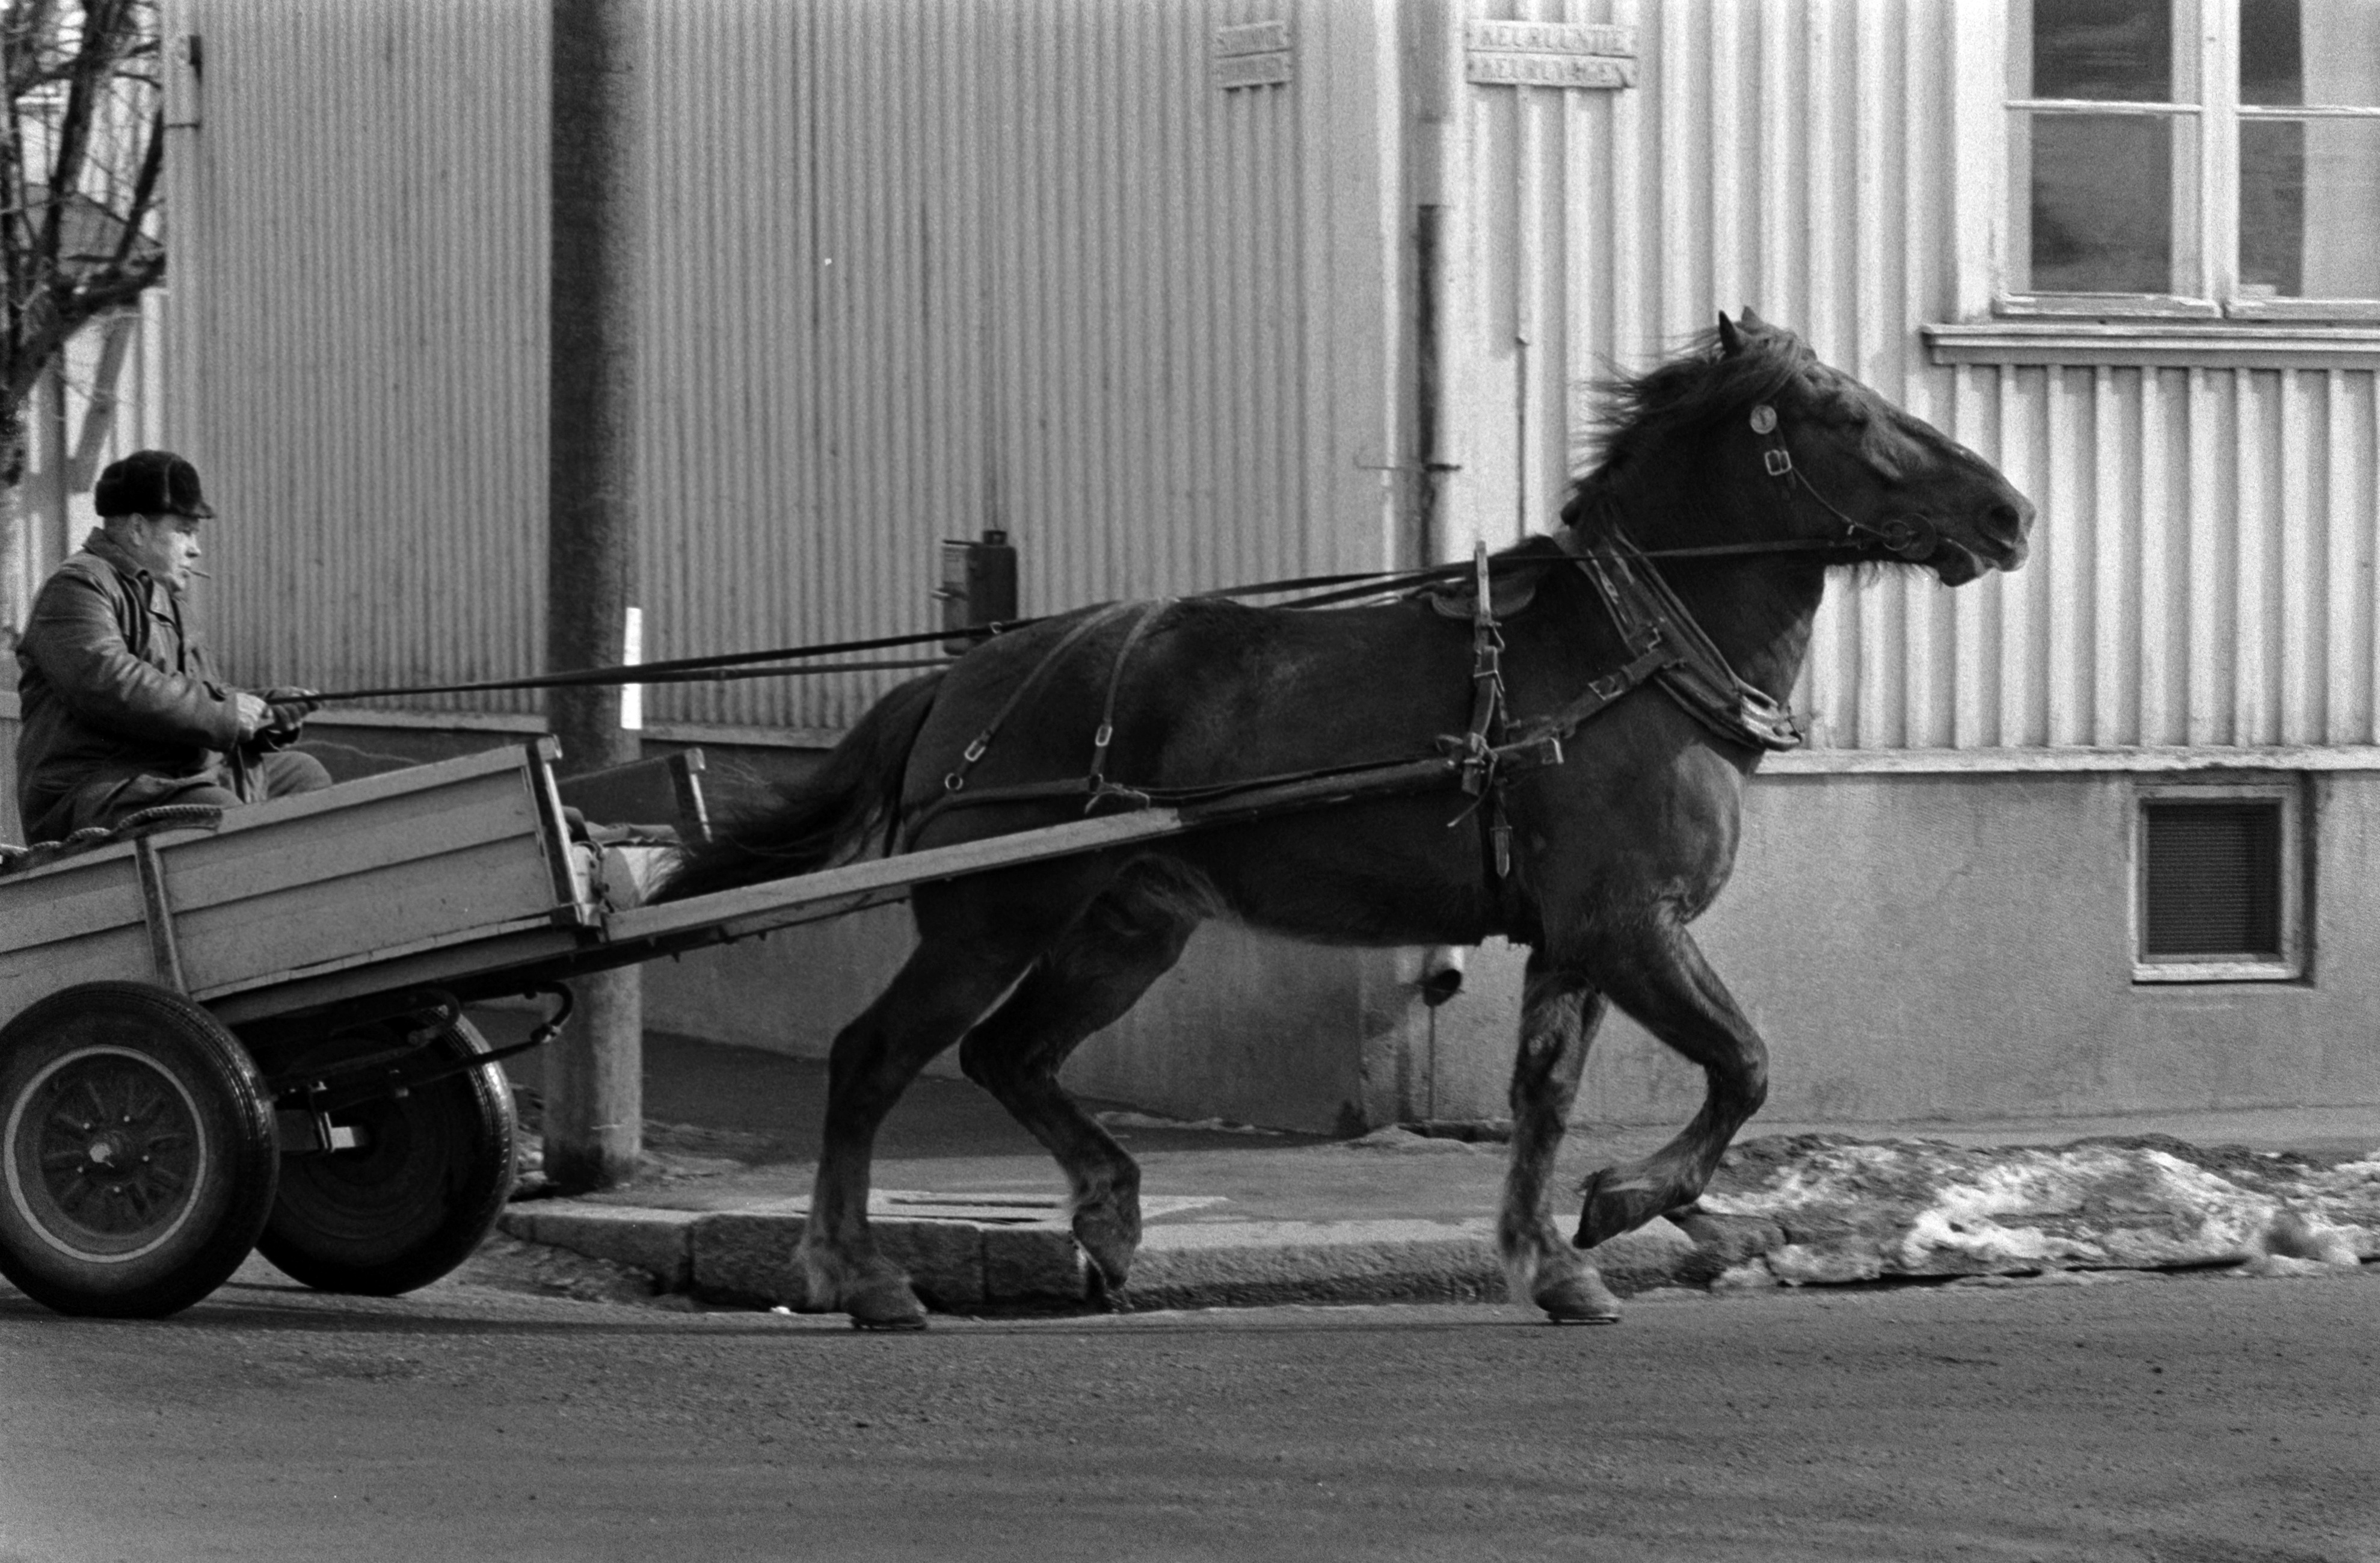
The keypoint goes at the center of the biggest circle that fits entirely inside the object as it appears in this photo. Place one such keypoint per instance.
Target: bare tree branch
(81, 159)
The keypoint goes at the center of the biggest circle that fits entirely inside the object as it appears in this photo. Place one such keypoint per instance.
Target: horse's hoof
(885, 1305)
(1611, 1208)
(1111, 1242)
(1578, 1299)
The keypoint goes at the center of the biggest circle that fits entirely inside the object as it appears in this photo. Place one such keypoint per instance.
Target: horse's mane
(1642, 414)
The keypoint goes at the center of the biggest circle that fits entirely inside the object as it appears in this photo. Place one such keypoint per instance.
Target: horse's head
(1829, 444)
(1792, 450)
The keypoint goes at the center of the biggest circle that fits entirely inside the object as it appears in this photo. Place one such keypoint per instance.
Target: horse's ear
(1731, 341)
(1750, 319)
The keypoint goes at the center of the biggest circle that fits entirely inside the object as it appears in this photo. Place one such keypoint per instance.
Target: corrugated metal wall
(918, 269)
(359, 251)
(2205, 548)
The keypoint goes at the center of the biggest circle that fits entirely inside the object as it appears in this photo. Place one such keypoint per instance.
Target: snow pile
(1822, 1208)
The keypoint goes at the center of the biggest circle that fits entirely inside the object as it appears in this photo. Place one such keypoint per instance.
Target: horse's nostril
(2005, 523)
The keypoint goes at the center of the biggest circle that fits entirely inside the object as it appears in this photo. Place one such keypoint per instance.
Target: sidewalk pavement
(973, 1207)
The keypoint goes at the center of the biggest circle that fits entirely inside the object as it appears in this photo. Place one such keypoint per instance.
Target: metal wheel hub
(105, 1153)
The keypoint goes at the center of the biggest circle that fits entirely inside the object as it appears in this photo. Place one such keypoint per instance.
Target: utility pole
(595, 1101)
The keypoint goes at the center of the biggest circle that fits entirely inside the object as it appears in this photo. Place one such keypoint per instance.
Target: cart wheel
(420, 1192)
(137, 1152)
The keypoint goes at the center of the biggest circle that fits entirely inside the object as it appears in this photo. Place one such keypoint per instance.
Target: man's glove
(285, 711)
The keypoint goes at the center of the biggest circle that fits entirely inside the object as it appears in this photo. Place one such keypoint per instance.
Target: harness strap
(973, 752)
(1105, 735)
(1652, 658)
(1665, 646)
(1480, 775)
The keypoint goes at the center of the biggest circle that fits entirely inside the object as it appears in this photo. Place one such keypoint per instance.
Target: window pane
(2341, 68)
(2310, 209)
(2113, 49)
(2213, 881)
(2102, 204)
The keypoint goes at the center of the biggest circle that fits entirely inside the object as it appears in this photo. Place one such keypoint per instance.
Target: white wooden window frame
(2211, 181)
(2292, 966)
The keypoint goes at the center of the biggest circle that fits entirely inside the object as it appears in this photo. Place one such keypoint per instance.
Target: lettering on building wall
(1255, 54)
(1565, 54)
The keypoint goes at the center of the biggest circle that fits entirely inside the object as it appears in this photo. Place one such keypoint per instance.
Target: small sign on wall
(1255, 54)
(1546, 54)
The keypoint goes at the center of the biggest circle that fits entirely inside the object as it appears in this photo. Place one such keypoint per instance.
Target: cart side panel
(392, 871)
(438, 856)
(80, 897)
(85, 925)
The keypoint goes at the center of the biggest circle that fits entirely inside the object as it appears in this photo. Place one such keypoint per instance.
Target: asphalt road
(2189, 1420)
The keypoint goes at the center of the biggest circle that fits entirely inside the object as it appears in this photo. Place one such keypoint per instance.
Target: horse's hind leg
(1657, 974)
(974, 938)
(1098, 970)
(1560, 1012)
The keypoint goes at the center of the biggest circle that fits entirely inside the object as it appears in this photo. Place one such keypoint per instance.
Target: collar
(101, 546)
(1648, 613)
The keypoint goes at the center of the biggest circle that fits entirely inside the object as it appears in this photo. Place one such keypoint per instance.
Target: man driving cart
(122, 710)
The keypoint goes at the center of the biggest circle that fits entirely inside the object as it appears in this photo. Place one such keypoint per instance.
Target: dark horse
(1745, 470)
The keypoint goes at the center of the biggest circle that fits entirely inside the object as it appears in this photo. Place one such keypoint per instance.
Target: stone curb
(959, 1265)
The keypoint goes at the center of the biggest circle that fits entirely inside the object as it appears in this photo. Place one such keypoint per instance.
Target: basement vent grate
(2212, 884)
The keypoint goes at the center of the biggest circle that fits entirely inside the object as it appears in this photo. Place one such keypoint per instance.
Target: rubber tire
(416, 1199)
(202, 1110)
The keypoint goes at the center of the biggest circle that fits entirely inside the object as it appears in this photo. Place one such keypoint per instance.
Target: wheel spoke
(141, 1100)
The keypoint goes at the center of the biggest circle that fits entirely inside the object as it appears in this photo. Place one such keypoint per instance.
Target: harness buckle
(976, 749)
(1777, 459)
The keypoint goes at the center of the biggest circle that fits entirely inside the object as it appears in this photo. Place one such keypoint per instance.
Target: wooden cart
(252, 1037)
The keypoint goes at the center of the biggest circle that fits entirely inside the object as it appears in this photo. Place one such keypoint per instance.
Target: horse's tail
(811, 823)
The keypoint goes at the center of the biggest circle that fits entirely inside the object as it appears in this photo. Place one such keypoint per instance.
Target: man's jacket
(111, 688)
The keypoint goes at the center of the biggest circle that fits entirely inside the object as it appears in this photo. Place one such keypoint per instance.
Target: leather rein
(1664, 645)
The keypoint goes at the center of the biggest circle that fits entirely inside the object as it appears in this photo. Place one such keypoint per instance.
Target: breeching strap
(1105, 734)
(975, 750)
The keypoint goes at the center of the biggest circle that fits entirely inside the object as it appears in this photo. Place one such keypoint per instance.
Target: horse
(1731, 480)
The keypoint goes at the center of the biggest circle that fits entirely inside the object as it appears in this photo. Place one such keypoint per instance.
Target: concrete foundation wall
(1940, 947)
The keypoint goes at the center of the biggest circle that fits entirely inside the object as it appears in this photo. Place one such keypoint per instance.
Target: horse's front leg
(1560, 1012)
(1655, 972)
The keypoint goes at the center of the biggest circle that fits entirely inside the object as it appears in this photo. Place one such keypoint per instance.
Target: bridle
(1911, 540)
